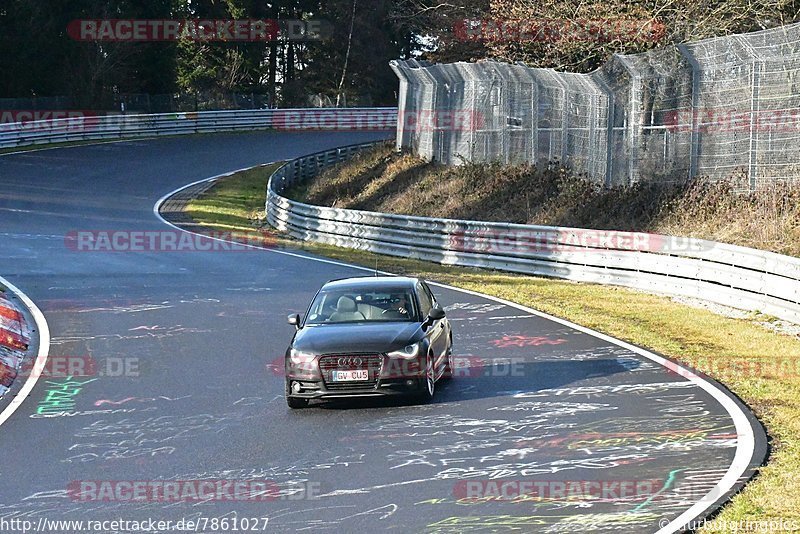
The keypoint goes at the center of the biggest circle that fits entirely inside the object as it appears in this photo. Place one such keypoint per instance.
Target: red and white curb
(16, 334)
(15, 337)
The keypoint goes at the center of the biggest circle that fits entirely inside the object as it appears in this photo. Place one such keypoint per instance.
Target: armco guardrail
(101, 127)
(735, 276)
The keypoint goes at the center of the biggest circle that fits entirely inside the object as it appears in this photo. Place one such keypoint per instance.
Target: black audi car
(368, 336)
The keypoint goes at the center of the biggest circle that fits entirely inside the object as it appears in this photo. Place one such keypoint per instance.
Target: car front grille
(346, 362)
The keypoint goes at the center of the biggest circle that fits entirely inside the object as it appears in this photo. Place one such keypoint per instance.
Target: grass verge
(759, 365)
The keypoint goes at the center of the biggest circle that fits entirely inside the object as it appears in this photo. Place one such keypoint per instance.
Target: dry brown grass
(381, 180)
(768, 219)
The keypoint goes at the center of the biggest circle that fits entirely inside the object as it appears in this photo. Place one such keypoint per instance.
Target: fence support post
(634, 128)
(752, 170)
(609, 130)
(534, 121)
(403, 98)
(757, 66)
(694, 134)
(565, 104)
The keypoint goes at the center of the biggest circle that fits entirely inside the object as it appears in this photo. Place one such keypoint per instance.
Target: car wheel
(293, 402)
(429, 385)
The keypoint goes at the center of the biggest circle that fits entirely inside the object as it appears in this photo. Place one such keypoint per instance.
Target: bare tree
(346, 55)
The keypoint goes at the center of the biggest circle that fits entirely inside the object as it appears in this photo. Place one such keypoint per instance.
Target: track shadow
(496, 381)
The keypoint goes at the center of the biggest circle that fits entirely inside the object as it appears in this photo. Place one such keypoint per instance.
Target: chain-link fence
(718, 108)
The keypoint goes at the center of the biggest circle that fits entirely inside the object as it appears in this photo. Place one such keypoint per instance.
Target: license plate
(350, 376)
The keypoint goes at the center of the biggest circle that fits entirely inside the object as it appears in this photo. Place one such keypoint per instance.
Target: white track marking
(41, 357)
(745, 444)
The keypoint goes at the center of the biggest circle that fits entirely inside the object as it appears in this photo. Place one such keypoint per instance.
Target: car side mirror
(436, 313)
(294, 320)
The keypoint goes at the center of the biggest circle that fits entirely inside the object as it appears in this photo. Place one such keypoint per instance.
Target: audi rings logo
(349, 361)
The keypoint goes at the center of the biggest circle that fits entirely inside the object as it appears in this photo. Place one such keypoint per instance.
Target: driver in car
(401, 304)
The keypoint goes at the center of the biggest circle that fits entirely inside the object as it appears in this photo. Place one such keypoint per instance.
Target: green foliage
(40, 59)
(45, 61)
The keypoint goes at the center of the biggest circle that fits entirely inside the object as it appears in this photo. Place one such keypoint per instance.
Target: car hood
(356, 337)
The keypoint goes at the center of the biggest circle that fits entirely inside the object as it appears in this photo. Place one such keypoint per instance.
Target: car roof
(366, 283)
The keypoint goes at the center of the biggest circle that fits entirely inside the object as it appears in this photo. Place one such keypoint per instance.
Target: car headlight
(408, 352)
(299, 357)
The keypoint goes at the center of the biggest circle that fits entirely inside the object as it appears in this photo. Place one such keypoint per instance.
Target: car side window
(430, 294)
(425, 302)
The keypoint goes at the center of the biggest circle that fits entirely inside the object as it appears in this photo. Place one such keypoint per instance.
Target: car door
(444, 323)
(436, 331)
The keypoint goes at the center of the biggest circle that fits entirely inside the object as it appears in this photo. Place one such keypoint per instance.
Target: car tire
(429, 383)
(294, 402)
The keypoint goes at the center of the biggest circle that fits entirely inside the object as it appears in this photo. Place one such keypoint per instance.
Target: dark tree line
(39, 59)
(349, 66)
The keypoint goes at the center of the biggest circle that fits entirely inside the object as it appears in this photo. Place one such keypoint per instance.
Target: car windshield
(354, 306)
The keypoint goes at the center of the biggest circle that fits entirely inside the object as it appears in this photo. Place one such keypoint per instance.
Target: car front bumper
(317, 389)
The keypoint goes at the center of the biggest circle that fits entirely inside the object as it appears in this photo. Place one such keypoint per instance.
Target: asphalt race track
(535, 401)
